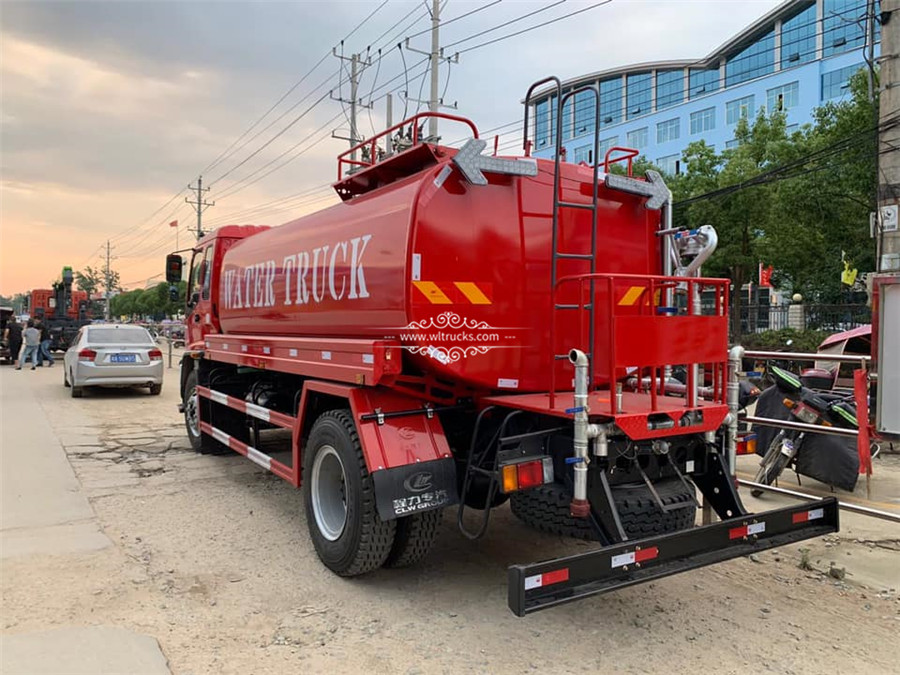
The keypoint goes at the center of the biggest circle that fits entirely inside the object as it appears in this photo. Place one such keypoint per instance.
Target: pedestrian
(44, 352)
(13, 337)
(32, 345)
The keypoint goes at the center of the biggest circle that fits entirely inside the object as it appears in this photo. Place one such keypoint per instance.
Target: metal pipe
(800, 426)
(733, 398)
(711, 237)
(846, 506)
(806, 356)
(580, 508)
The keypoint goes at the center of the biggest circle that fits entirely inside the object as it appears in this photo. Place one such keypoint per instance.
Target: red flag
(174, 223)
(765, 275)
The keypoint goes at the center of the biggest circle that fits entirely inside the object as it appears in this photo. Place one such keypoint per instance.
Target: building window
(585, 112)
(844, 25)
(668, 130)
(584, 153)
(668, 164)
(638, 138)
(669, 88)
(610, 102)
(703, 120)
(567, 119)
(837, 82)
(783, 98)
(755, 61)
(798, 38)
(543, 122)
(605, 145)
(639, 94)
(703, 81)
(732, 144)
(737, 109)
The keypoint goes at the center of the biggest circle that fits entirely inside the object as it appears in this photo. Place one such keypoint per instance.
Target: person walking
(32, 345)
(44, 352)
(13, 337)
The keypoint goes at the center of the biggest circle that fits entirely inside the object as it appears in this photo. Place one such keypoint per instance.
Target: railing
(370, 145)
(836, 317)
(627, 155)
(759, 318)
(643, 335)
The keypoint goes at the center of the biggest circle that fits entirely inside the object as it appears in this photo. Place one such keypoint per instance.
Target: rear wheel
(77, 392)
(547, 508)
(339, 495)
(65, 378)
(156, 389)
(414, 538)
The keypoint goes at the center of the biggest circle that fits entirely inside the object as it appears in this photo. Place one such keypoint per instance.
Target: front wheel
(200, 442)
(339, 494)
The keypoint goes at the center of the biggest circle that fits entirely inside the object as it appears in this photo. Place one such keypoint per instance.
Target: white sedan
(113, 355)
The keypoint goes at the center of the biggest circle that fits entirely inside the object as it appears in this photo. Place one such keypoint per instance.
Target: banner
(765, 276)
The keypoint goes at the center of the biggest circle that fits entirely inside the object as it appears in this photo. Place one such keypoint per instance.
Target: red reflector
(646, 554)
(737, 532)
(530, 474)
(800, 517)
(555, 577)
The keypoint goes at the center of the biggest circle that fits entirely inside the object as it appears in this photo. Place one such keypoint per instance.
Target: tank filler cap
(473, 164)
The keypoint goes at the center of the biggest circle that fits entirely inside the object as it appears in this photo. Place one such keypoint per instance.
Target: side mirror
(174, 265)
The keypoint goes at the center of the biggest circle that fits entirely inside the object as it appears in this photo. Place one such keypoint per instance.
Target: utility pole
(107, 279)
(357, 65)
(199, 203)
(435, 56)
(888, 159)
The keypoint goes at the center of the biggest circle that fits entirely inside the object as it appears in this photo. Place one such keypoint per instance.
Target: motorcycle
(829, 458)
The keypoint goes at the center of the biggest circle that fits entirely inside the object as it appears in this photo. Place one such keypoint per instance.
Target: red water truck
(461, 330)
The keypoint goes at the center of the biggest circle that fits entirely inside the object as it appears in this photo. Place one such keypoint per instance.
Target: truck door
(200, 319)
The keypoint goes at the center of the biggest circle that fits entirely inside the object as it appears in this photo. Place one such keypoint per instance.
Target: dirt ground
(211, 557)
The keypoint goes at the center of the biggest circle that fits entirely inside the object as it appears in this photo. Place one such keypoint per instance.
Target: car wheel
(65, 378)
(156, 389)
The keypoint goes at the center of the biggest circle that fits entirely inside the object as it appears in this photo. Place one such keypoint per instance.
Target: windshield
(119, 336)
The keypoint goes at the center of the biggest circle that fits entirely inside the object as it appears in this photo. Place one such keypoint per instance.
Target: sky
(109, 110)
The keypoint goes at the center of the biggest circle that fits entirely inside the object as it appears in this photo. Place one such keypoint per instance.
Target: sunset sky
(109, 109)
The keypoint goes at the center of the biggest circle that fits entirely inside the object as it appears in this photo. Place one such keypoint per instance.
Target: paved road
(209, 558)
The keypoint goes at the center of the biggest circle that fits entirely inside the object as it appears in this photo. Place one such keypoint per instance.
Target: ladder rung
(576, 205)
(588, 306)
(575, 256)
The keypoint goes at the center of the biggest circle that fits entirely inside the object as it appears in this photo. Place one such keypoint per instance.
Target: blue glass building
(794, 58)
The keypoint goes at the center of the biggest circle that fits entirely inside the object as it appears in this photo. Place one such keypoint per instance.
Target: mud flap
(554, 582)
(413, 488)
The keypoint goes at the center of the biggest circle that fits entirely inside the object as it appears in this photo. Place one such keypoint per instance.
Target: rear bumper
(546, 584)
(89, 375)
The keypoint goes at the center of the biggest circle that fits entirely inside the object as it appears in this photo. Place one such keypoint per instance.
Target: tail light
(746, 445)
(805, 414)
(528, 474)
(87, 355)
(155, 355)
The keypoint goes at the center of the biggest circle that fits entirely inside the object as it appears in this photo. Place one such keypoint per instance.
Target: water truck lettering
(307, 277)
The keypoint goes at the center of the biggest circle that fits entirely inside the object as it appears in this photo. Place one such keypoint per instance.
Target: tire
(200, 442)
(339, 495)
(65, 378)
(546, 508)
(77, 392)
(766, 473)
(156, 389)
(414, 538)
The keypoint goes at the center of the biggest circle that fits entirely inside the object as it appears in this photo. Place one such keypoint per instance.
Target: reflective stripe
(257, 457)
(218, 397)
(472, 292)
(257, 411)
(431, 291)
(631, 296)
(221, 436)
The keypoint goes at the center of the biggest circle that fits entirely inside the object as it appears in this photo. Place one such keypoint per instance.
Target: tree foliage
(794, 201)
(151, 303)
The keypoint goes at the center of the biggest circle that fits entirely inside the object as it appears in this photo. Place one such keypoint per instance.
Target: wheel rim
(327, 488)
(192, 413)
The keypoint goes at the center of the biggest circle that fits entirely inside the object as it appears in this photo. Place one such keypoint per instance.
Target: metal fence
(833, 318)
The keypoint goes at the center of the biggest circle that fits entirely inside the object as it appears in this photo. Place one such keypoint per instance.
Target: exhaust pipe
(583, 433)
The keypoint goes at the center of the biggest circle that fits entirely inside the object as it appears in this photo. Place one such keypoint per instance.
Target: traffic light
(173, 293)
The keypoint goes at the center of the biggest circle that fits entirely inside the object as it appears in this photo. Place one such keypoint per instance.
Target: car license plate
(122, 358)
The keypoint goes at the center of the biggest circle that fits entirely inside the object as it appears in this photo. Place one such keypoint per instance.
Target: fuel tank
(459, 273)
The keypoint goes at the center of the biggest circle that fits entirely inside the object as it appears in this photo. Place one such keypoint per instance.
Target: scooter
(806, 406)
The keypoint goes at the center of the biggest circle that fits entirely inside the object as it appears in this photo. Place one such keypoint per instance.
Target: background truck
(460, 330)
(62, 309)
